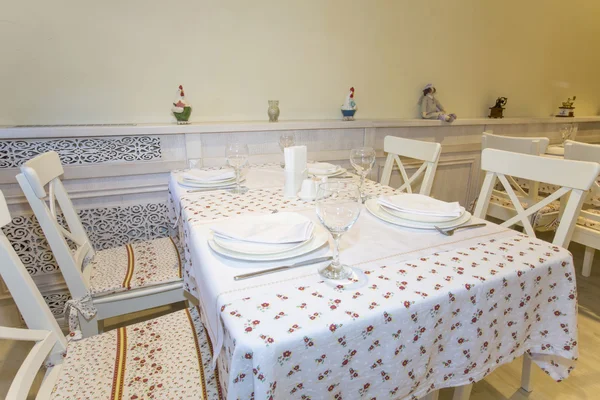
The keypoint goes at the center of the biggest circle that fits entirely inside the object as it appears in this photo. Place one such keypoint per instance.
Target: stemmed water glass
(363, 160)
(568, 132)
(286, 140)
(338, 208)
(237, 156)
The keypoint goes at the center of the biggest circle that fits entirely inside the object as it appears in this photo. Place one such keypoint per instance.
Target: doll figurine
(431, 108)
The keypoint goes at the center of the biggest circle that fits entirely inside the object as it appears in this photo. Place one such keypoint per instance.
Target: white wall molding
(72, 131)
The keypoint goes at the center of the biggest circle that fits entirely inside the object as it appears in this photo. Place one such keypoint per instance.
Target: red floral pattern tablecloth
(203, 207)
(402, 328)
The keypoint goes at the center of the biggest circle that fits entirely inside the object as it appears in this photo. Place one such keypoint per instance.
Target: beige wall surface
(67, 61)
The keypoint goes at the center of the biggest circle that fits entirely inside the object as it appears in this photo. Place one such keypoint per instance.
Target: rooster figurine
(181, 109)
(349, 106)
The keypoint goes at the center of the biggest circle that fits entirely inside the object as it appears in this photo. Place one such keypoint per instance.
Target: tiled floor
(584, 382)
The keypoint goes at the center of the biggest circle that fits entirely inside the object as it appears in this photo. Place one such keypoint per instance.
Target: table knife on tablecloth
(282, 268)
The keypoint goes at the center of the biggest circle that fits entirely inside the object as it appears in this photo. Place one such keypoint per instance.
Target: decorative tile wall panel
(116, 226)
(56, 303)
(78, 151)
(106, 228)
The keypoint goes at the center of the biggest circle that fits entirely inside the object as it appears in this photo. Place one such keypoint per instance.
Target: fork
(450, 232)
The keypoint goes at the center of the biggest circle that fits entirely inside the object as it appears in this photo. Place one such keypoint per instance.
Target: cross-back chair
(587, 230)
(427, 152)
(573, 178)
(109, 365)
(115, 281)
(527, 191)
(43, 328)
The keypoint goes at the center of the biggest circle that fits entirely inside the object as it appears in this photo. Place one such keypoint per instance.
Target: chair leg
(526, 374)
(432, 396)
(588, 259)
(88, 328)
(462, 392)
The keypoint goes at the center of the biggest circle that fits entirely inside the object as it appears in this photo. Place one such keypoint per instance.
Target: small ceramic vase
(273, 110)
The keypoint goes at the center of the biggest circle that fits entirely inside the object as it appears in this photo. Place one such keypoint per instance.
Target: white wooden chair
(115, 281)
(162, 357)
(527, 191)
(43, 328)
(427, 152)
(573, 178)
(587, 230)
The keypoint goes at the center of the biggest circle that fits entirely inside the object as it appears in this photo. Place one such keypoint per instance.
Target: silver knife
(283, 268)
(210, 189)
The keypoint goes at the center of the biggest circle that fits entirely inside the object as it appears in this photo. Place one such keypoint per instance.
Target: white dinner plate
(193, 184)
(320, 238)
(420, 217)
(243, 247)
(374, 208)
(339, 171)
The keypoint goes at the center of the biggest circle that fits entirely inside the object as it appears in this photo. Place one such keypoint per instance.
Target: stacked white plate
(256, 238)
(325, 169)
(223, 178)
(404, 210)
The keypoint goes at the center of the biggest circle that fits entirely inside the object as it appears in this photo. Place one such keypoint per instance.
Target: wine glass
(363, 160)
(338, 208)
(286, 139)
(568, 132)
(237, 156)
(565, 131)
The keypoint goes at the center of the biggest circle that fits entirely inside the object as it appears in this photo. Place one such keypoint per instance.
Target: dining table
(422, 311)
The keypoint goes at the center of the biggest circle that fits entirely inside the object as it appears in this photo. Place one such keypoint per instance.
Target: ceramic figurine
(181, 109)
(496, 111)
(349, 106)
(273, 110)
(567, 109)
(431, 108)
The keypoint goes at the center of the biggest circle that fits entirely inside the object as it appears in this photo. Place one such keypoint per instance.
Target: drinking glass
(286, 140)
(363, 160)
(237, 156)
(568, 132)
(338, 208)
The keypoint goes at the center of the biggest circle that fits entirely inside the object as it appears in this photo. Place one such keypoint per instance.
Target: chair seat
(134, 266)
(587, 222)
(164, 358)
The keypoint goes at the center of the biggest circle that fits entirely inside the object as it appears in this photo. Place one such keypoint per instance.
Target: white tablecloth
(425, 311)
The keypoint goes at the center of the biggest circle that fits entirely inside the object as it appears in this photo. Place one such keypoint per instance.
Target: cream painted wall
(67, 61)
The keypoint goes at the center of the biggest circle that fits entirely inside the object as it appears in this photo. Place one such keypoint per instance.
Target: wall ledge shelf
(90, 130)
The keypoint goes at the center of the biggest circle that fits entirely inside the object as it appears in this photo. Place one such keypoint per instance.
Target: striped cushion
(132, 266)
(163, 358)
(550, 208)
(588, 222)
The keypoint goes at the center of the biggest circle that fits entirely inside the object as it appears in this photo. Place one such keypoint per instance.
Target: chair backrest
(524, 145)
(584, 152)
(40, 181)
(427, 152)
(43, 328)
(574, 177)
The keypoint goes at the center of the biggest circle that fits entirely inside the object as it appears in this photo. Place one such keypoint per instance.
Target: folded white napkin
(322, 168)
(273, 228)
(422, 205)
(199, 175)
